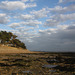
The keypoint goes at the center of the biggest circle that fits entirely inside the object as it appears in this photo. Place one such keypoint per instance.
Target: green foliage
(18, 43)
(10, 38)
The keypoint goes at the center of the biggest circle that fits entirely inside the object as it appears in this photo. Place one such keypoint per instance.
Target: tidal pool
(26, 71)
(49, 66)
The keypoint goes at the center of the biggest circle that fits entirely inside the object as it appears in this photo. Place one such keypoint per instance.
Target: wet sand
(37, 64)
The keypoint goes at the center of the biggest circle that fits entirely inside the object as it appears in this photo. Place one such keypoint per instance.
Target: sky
(43, 25)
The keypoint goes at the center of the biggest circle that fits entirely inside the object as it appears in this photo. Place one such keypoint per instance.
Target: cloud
(15, 5)
(60, 9)
(30, 5)
(4, 18)
(31, 23)
(24, 29)
(63, 17)
(24, 35)
(48, 31)
(60, 40)
(62, 27)
(66, 1)
(69, 0)
(27, 0)
(34, 15)
(24, 17)
(12, 5)
(5, 30)
(71, 27)
(24, 0)
(51, 23)
(60, 1)
(41, 13)
(14, 25)
(32, 0)
(60, 18)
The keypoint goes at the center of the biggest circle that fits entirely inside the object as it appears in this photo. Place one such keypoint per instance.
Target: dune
(7, 49)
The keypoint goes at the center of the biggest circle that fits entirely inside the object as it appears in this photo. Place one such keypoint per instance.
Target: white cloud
(24, 0)
(60, 1)
(48, 31)
(60, 18)
(63, 17)
(32, 0)
(23, 35)
(25, 17)
(24, 29)
(14, 25)
(41, 13)
(62, 27)
(60, 9)
(5, 30)
(31, 23)
(29, 5)
(71, 0)
(66, 1)
(4, 18)
(51, 22)
(27, 0)
(14, 5)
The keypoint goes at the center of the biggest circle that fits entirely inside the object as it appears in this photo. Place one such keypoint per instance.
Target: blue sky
(44, 25)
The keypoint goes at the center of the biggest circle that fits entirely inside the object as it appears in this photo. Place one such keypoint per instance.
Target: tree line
(8, 38)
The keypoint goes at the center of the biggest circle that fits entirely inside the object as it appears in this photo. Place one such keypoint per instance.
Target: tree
(18, 43)
(10, 38)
